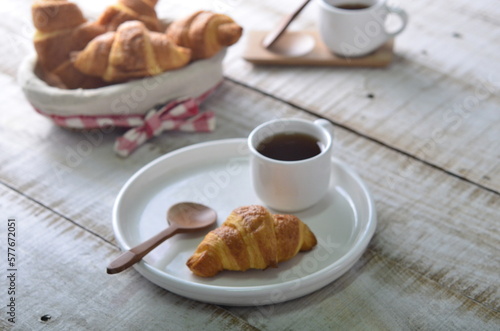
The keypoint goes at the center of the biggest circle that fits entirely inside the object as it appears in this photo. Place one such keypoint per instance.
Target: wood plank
(305, 48)
(428, 219)
(436, 80)
(61, 271)
(376, 294)
(437, 232)
(80, 296)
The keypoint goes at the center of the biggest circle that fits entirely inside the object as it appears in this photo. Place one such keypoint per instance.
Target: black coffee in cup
(290, 146)
(352, 6)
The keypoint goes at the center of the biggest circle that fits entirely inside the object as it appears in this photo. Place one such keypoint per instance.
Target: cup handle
(327, 125)
(404, 20)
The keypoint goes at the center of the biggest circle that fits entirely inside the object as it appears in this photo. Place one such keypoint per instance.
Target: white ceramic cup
(291, 186)
(356, 32)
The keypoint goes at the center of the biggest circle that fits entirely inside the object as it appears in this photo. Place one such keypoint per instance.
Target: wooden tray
(309, 50)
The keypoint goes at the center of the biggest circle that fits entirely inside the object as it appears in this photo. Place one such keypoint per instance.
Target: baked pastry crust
(131, 52)
(205, 33)
(251, 238)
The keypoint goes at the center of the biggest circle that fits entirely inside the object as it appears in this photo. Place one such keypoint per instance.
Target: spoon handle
(135, 254)
(276, 33)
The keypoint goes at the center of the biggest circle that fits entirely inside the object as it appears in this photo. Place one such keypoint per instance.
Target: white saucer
(217, 174)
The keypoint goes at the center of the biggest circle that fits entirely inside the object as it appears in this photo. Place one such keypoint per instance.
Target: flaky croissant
(131, 52)
(55, 15)
(60, 30)
(251, 238)
(205, 33)
(130, 10)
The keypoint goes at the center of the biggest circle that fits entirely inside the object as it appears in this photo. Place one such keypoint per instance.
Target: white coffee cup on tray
(291, 162)
(354, 28)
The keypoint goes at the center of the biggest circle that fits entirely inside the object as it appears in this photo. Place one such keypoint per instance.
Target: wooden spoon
(182, 217)
(276, 33)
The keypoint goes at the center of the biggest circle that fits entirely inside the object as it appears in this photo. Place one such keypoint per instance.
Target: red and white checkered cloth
(180, 115)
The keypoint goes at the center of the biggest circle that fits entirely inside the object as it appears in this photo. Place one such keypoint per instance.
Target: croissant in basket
(60, 30)
(75, 53)
(251, 238)
(131, 52)
(205, 33)
(130, 10)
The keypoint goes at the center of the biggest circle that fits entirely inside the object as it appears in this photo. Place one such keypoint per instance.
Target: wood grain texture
(62, 273)
(376, 294)
(428, 220)
(297, 43)
(423, 133)
(439, 100)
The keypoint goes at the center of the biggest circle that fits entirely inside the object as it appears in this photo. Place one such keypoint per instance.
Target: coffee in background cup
(353, 28)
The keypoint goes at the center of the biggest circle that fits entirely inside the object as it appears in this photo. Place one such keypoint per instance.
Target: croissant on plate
(131, 52)
(251, 238)
(130, 10)
(60, 30)
(205, 33)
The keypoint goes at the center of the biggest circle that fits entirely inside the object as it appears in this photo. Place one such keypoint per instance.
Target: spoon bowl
(191, 216)
(182, 217)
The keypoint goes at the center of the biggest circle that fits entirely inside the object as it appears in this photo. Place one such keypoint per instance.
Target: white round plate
(217, 174)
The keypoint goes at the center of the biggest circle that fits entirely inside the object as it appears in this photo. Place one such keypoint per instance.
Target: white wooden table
(423, 133)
